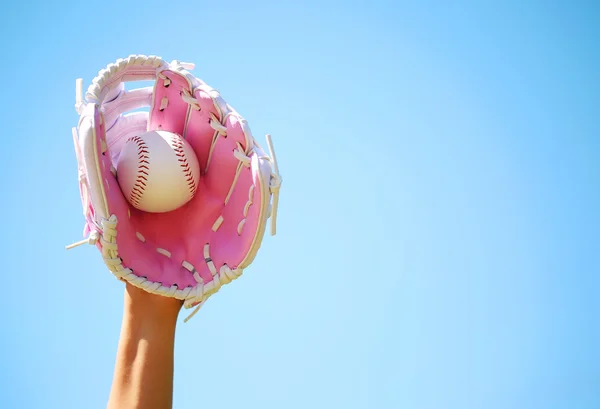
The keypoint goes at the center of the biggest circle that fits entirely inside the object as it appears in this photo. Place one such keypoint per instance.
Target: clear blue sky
(438, 233)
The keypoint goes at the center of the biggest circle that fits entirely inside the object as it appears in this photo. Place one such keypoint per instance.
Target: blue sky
(437, 240)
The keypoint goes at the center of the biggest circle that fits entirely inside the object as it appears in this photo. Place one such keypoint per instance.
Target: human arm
(143, 376)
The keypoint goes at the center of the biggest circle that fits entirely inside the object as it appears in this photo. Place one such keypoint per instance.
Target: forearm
(143, 377)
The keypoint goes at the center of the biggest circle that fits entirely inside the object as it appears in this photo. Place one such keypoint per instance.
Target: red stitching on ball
(189, 176)
(137, 191)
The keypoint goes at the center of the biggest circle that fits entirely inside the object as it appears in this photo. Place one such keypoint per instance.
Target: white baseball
(158, 171)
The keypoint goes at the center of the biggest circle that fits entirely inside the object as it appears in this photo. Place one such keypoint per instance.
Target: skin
(143, 377)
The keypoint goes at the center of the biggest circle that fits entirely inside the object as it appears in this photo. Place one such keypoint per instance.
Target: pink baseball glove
(188, 253)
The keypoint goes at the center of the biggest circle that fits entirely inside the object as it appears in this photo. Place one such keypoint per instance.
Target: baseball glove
(188, 253)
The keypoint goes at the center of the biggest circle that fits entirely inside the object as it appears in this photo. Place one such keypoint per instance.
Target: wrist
(142, 305)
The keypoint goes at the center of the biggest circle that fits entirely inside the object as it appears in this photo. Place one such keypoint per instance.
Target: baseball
(158, 171)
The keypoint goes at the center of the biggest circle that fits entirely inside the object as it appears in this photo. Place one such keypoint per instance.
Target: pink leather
(185, 231)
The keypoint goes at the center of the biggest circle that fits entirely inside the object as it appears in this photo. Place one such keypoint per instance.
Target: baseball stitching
(142, 171)
(185, 166)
